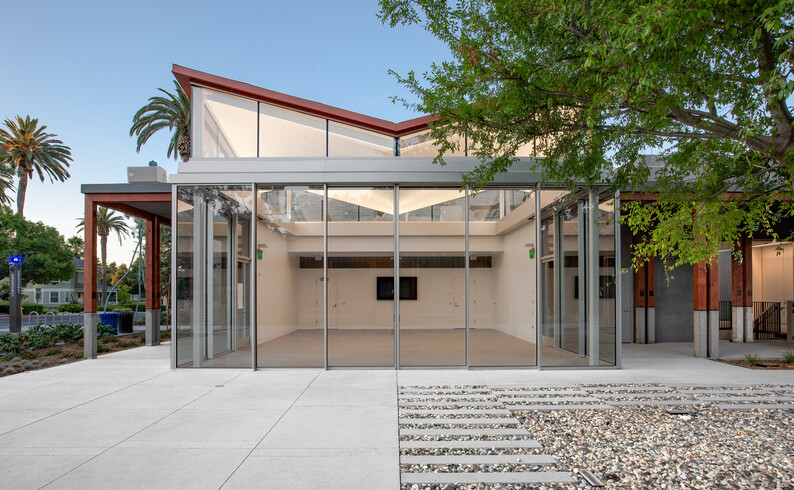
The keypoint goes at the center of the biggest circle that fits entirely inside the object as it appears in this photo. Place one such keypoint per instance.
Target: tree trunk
(103, 245)
(183, 145)
(21, 191)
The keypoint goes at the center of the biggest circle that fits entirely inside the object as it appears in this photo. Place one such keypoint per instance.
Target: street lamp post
(15, 303)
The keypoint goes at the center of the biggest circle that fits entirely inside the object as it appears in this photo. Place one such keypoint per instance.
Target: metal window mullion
(325, 270)
(397, 277)
(231, 293)
(558, 267)
(582, 270)
(197, 267)
(209, 279)
(593, 278)
(252, 296)
(538, 281)
(618, 286)
(174, 228)
(466, 272)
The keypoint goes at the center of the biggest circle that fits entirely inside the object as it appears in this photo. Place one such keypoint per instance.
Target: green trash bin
(125, 321)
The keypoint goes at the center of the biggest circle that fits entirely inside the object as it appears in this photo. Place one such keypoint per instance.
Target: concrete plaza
(126, 420)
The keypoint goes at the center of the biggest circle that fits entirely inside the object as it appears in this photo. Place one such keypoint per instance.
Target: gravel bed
(644, 447)
(440, 399)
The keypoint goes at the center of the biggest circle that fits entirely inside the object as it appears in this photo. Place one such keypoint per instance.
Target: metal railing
(726, 315)
(766, 320)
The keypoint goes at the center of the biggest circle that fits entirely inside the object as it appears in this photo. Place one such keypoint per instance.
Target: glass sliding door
(360, 280)
(213, 323)
(432, 270)
(502, 330)
(290, 291)
(607, 280)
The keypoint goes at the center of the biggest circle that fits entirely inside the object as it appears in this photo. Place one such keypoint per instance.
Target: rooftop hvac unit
(146, 174)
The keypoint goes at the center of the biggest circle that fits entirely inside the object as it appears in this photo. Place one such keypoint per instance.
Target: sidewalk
(126, 420)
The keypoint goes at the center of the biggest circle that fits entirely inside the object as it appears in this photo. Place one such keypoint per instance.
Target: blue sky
(84, 68)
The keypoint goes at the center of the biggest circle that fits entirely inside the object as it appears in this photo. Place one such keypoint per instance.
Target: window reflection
(347, 141)
(284, 133)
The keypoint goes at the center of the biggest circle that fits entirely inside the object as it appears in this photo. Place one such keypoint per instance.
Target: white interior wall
(773, 273)
(277, 287)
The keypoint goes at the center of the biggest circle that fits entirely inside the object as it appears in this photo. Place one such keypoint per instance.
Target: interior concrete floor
(418, 348)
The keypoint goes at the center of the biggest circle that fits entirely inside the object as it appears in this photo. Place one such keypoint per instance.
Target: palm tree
(26, 148)
(107, 221)
(172, 112)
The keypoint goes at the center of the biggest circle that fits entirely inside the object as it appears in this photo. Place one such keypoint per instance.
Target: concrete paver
(126, 420)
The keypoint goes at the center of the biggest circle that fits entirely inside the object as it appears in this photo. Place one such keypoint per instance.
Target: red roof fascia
(186, 77)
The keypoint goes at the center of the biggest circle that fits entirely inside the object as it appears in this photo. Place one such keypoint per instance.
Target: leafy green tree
(26, 148)
(107, 222)
(596, 85)
(46, 255)
(171, 112)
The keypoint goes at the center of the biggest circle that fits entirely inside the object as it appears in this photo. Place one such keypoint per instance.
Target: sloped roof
(187, 76)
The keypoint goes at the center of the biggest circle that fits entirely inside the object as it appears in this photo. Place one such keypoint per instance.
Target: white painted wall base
(748, 324)
(639, 325)
(152, 326)
(651, 329)
(714, 334)
(89, 334)
(701, 331)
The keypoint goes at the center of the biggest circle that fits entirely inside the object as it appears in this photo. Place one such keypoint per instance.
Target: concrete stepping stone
(451, 404)
(506, 444)
(548, 408)
(531, 459)
(540, 392)
(746, 399)
(529, 477)
(404, 391)
(627, 388)
(451, 397)
(551, 400)
(658, 402)
(478, 411)
(464, 432)
(751, 406)
(466, 421)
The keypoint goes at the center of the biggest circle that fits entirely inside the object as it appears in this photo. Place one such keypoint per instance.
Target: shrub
(103, 330)
(9, 370)
(70, 308)
(69, 332)
(124, 344)
(53, 352)
(110, 339)
(27, 366)
(102, 348)
(752, 359)
(788, 357)
(45, 363)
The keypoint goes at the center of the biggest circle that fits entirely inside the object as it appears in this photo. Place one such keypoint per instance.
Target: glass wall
(349, 141)
(432, 277)
(225, 125)
(578, 279)
(213, 276)
(289, 278)
(422, 144)
(360, 304)
(607, 280)
(327, 295)
(502, 330)
(285, 133)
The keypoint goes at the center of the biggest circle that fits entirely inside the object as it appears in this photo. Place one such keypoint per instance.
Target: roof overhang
(142, 200)
(188, 77)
